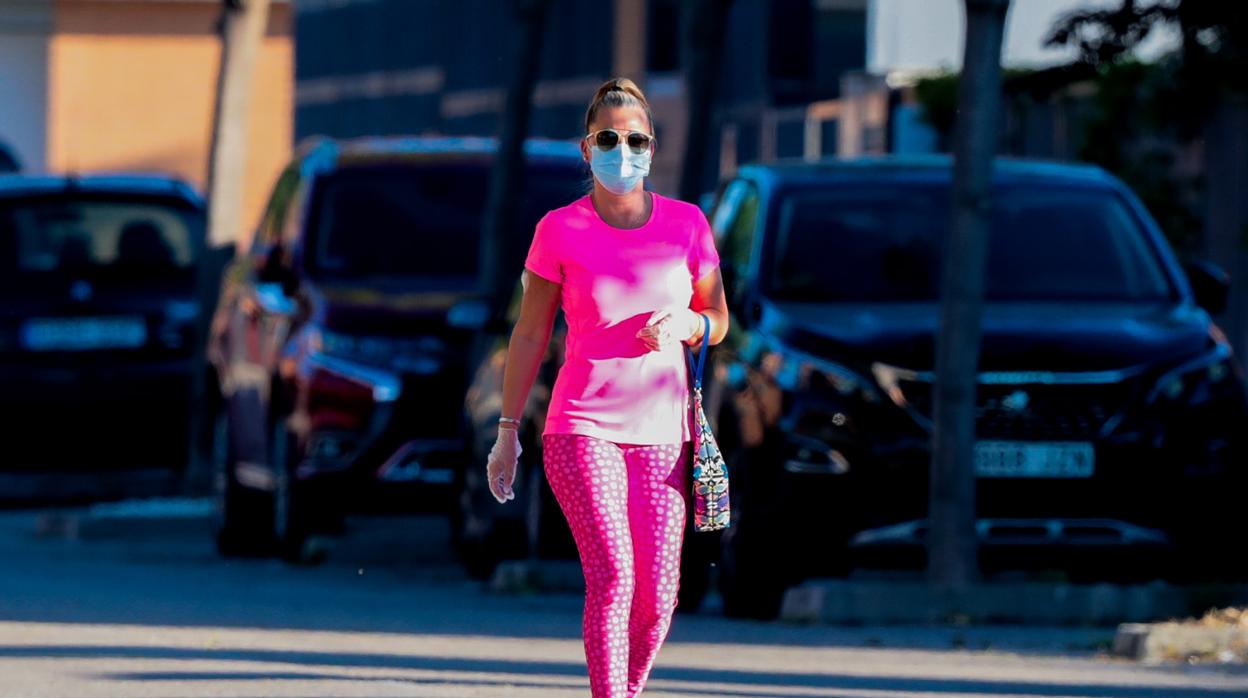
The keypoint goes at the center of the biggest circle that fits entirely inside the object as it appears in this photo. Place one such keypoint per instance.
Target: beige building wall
(132, 86)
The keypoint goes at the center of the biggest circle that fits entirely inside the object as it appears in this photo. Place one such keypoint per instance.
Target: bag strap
(706, 338)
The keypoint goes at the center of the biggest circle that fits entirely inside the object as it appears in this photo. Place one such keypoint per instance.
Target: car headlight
(804, 454)
(800, 372)
(1193, 382)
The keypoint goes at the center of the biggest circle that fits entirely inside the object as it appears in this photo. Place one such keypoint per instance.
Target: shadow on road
(736, 678)
(397, 577)
(393, 575)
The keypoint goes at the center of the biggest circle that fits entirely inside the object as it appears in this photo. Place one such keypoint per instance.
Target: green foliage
(938, 98)
(1104, 36)
(1129, 132)
(1143, 113)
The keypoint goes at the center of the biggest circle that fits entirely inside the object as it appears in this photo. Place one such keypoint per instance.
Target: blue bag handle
(706, 338)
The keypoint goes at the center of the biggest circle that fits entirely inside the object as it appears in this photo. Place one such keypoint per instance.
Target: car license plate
(1034, 459)
(82, 334)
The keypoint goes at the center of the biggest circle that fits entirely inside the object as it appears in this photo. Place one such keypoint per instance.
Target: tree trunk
(243, 23)
(706, 40)
(501, 243)
(952, 563)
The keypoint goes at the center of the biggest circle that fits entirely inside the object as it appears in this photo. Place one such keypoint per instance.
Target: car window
(884, 243)
(735, 223)
(419, 220)
(131, 240)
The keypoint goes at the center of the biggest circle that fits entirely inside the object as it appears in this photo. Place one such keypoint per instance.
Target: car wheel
(754, 570)
(697, 557)
(241, 514)
(480, 535)
(752, 577)
(549, 536)
(293, 505)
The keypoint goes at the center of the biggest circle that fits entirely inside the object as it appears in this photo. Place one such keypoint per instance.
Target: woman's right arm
(529, 339)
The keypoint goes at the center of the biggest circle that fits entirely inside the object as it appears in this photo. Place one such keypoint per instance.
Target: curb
(843, 602)
(155, 518)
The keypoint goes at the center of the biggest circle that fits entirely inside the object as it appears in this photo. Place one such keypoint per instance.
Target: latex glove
(500, 469)
(668, 326)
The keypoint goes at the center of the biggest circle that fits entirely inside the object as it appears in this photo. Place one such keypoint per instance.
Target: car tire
(753, 569)
(698, 555)
(549, 536)
(752, 579)
(482, 539)
(241, 514)
(293, 506)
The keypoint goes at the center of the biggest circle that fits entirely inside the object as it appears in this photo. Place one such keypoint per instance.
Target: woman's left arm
(709, 299)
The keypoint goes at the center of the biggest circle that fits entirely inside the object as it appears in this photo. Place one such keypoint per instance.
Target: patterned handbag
(710, 473)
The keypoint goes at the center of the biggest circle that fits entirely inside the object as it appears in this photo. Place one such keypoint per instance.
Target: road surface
(153, 612)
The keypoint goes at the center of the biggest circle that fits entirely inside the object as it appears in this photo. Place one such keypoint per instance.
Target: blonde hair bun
(617, 92)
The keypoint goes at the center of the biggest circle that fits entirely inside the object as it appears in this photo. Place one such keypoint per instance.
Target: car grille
(1033, 412)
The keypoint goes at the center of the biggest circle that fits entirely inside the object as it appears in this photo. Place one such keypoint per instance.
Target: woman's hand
(500, 469)
(666, 327)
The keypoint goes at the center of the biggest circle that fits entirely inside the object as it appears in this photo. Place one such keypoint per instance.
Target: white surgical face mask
(619, 170)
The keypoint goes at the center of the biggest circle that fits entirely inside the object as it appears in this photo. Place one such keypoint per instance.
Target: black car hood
(394, 309)
(1016, 336)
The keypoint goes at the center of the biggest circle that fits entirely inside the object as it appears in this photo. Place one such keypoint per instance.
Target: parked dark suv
(1110, 412)
(99, 333)
(343, 340)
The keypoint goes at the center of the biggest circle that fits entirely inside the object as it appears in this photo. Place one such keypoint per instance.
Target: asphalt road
(151, 611)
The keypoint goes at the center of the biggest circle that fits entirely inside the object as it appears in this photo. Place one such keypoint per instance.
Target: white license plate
(81, 334)
(1039, 459)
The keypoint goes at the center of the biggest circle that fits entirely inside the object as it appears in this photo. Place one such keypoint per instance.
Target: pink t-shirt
(610, 385)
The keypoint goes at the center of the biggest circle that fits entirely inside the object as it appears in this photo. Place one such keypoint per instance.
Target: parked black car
(345, 338)
(1110, 411)
(99, 333)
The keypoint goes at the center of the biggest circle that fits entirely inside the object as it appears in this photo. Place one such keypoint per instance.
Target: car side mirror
(271, 268)
(1211, 285)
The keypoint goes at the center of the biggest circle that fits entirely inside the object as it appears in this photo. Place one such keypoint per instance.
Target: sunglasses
(608, 138)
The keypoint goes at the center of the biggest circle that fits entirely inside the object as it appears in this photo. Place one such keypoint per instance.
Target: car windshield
(127, 240)
(884, 244)
(420, 221)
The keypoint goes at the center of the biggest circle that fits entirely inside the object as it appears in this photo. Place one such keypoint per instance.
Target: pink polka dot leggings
(625, 504)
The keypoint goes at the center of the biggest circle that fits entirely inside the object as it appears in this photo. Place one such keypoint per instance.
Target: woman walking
(635, 274)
